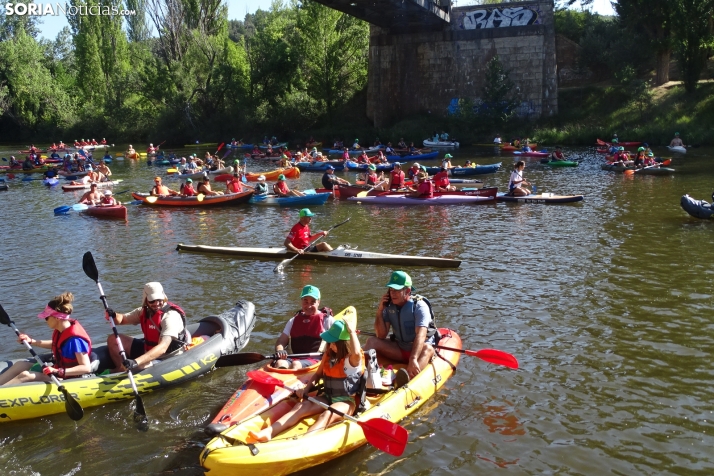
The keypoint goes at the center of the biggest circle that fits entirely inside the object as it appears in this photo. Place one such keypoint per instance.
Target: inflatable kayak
(654, 170)
(542, 198)
(678, 149)
(312, 199)
(341, 254)
(559, 163)
(532, 153)
(50, 182)
(409, 158)
(252, 398)
(320, 166)
(86, 186)
(291, 173)
(207, 201)
(615, 167)
(696, 208)
(197, 175)
(464, 171)
(294, 450)
(114, 211)
(214, 336)
(441, 143)
(402, 200)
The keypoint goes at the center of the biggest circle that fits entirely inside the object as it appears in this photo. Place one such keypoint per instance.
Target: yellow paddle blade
(200, 197)
(349, 315)
(171, 171)
(362, 194)
(151, 199)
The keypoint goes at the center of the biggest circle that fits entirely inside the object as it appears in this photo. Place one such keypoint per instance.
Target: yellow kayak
(295, 450)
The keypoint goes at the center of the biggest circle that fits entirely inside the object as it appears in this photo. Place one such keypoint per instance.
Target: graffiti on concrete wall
(497, 18)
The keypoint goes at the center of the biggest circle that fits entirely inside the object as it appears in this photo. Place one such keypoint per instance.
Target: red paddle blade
(494, 356)
(385, 435)
(629, 172)
(262, 377)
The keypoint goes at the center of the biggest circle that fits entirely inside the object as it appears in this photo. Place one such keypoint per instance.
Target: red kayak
(114, 211)
(623, 144)
(531, 154)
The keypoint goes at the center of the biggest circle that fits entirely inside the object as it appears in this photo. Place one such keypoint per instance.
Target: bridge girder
(397, 15)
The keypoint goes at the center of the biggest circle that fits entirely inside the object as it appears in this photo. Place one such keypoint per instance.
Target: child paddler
(341, 368)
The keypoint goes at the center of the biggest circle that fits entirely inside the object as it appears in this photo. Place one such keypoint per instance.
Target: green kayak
(560, 163)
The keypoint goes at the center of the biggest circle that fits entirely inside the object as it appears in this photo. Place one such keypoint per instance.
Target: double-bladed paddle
(380, 433)
(65, 209)
(90, 269)
(247, 358)
(492, 356)
(279, 268)
(71, 406)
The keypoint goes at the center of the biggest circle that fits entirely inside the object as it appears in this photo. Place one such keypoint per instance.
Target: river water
(606, 304)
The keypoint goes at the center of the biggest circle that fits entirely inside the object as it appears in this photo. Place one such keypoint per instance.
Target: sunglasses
(155, 301)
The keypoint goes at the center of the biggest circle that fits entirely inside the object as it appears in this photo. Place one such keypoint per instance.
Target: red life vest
(397, 179)
(441, 179)
(234, 185)
(305, 333)
(151, 325)
(59, 338)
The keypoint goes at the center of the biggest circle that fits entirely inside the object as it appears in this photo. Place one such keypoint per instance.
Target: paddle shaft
(492, 356)
(286, 262)
(248, 358)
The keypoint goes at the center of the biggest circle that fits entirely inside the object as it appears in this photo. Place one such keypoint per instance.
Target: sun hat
(108, 193)
(372, 167)
(49, 312)
(261, 178)
(93, 184)
(281, 177)
(448, 156)
(298, 153)
(154, 291)
(337, 332)
(305, 212)
(422, 176)
(189, 180)
(416, 164)
(329, 167)
(312, 291)
(399, 280)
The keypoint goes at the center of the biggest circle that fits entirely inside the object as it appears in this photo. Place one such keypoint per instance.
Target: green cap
(399, 280)
(188, 180)
(650, 154)
(676, 133)
(448, 156)
(305, 212)
(237, 161)
(640, 149)
(283, 156)
(281, 177)
(356, 140)
(338, 331)
(372, 167)
(311, 291)
(314, 148)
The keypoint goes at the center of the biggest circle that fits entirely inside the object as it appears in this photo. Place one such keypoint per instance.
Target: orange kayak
(207, 201)
(292, 173)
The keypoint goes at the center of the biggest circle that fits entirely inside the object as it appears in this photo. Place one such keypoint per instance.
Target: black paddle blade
(140, 414)
(89, 267)
(72, 406)
(4, 318)
(245, 358)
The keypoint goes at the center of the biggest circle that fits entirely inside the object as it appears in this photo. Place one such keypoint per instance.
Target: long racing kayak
(403, 200)
(86, 186)
(207, 201)
(295, 449)
(214, 336)
(341, 254)
(312, 199)
(542, 198)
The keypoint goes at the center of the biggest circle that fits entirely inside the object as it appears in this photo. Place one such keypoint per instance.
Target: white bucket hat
(154, 291)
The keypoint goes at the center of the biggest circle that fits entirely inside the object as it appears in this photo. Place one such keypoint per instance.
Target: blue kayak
(320, 166)
(312, 199)
(409, 158)
(463, 171)
(51, 182)
(355, 166)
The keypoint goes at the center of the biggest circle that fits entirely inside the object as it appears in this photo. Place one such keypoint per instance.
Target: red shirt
(441, 179)
(299, 235)
(397, 178)
(281, 188)
(426, 189)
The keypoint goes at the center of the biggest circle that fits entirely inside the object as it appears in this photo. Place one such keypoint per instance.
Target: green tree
(29, 96)
(10, 25)
(137, 27)
(655, 18)
(692, 22)
(498, 103)
(333, 51)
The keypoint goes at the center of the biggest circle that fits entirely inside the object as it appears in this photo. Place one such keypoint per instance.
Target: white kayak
(85, 186)
(441, 143)
(677, 149)
(341, 254)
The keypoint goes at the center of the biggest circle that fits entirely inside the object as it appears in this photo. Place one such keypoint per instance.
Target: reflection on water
(606, 304)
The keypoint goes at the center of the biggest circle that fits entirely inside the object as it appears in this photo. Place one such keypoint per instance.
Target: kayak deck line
(337, 255)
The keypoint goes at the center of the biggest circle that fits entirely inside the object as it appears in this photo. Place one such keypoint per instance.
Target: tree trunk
(663, 66)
